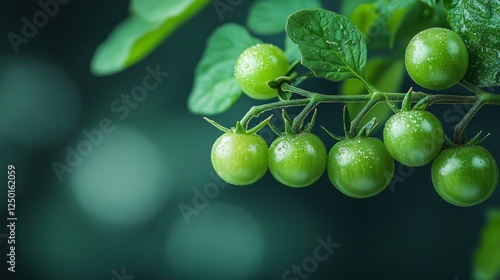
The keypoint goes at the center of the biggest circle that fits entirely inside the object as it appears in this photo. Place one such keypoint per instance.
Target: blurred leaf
(430, 3)
(419, 17)
(395, 21)
(135, 37)
(269, 16)
(380, 21)
(160, 10)
(331, 46)
(348, 6)
(386, 75)
(365, 16)
(478, 23)
(487, 255)
(292, 51)
(215, 88)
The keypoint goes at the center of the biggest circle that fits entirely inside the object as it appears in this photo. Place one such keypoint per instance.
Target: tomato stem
(472, 87)
(375, 98)
(459, 135)
(255, 111)
(312, 99)
(298, 121)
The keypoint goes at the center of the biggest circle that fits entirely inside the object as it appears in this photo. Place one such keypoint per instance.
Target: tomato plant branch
(491, 98)
(446, 99)
(255, 111)
(299, 120)
(375, 98)
(313, 99)
(472, 87)
(459, 135)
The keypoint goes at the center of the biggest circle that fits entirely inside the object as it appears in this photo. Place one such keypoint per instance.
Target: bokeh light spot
(223, 242)
(123, 180)
(39, 102)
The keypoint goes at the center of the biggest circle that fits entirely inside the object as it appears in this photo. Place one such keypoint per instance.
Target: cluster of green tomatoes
(358, 165)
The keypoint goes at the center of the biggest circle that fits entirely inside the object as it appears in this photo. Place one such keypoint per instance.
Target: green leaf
(215, 88)
(269, 16)
(135, 37)
(331, 46)
(478, 23)
(486, 263)
(159, 10)
(386, 75)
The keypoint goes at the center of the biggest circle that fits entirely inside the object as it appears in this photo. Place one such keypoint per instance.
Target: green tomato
(360, 167)
(413, 138)
(297, 160)
(465, 176)
(256, 66)
(436, 58)
(240, 159)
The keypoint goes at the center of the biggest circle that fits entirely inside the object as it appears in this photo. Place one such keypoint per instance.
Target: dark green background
(408, 232)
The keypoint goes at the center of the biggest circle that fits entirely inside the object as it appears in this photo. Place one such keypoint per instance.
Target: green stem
(459, 135)
(472, 87)
(491, 98)
(255, 111)
(298, 121)
(446, 99)
(289, 88)
(375, 98)
(312, 99)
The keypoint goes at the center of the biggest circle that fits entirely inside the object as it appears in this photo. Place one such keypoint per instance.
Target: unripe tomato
(360, 167)
(436, 58)
(465, 176)
(256, 66)
(413, 138)
(240, 159)
(297, 160)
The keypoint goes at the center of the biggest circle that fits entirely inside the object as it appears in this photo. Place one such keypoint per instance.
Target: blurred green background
(116, 214)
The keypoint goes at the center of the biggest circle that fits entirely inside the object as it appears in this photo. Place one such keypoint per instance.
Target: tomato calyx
(474, 141)
(276, 84)
(239, 128)
(289, 125)
(290, 77)
(406, 105)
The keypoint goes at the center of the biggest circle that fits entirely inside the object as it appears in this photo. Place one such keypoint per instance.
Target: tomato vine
(333, 48)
